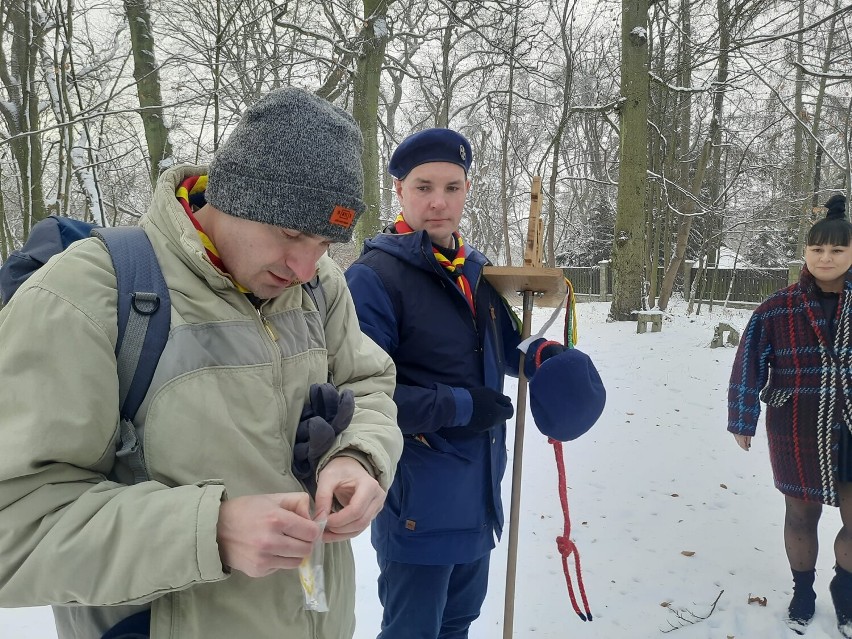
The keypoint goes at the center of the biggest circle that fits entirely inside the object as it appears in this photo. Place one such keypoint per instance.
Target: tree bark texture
(628, 251)
(147, 76)
(25, 37)
(684, 228)
(374, 36)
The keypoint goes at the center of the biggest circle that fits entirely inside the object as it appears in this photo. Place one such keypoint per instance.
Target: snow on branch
(590, 108)
(817, 74)
(672, 87)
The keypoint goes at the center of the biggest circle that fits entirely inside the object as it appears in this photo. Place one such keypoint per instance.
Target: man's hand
(744, 441)
(259, 534)
(361, 496)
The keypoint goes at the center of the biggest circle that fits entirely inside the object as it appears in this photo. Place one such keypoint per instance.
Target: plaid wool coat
(785, 359)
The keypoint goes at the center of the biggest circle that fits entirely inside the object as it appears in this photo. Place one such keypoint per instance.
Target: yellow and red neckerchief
(454, 267)
(192, 188)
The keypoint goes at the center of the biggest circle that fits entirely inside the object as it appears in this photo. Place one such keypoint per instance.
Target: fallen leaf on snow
(687, 553)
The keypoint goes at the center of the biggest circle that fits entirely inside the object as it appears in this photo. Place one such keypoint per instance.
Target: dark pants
(431, 602)
(136, 626)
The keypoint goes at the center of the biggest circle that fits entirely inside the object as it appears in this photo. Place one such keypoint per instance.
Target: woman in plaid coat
(796, 356)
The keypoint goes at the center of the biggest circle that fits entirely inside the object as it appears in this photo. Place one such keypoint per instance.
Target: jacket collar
(416, 249)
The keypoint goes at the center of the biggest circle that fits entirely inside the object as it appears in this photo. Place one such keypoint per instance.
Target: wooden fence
(749, 286)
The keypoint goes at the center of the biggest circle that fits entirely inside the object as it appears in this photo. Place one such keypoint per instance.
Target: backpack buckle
(145, 303)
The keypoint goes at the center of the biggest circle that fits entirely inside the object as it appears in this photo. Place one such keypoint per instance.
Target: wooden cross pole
(546, 286)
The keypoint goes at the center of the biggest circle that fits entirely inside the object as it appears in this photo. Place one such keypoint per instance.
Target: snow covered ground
(657, 479)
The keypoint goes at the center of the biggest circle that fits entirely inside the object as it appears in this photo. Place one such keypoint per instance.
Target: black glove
(539, 352)
(326, 415)
(551, 349)
(489, 408)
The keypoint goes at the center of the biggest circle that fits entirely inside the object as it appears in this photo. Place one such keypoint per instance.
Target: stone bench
(724, 334)
(654, 318)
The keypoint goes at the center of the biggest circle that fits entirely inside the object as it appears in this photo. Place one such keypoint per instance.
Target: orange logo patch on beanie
(341, 216)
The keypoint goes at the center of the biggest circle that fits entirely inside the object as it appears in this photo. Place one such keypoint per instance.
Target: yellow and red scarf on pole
(453, 267)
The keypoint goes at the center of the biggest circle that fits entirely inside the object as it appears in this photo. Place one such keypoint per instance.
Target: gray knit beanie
(294, 160)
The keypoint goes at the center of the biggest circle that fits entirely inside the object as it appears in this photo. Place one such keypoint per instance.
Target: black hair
(835, 227)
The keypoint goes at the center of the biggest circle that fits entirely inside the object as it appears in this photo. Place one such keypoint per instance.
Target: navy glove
(489, 408)
(326, 415)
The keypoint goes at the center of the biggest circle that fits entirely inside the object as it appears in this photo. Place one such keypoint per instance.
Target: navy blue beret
(566, 395)
(430, 145)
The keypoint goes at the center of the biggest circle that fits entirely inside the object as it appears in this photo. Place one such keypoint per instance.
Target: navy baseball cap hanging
(430, 145)
(567, 395)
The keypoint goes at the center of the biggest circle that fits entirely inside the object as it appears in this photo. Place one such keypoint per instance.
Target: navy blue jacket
(444, 506)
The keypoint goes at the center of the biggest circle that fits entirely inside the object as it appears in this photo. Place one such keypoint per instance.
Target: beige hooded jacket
(219, 421)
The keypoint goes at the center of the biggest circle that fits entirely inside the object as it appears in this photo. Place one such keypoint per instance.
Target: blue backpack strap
(144, 317)
(317, 292)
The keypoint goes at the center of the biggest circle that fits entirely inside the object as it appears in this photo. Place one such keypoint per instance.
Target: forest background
(662, 131)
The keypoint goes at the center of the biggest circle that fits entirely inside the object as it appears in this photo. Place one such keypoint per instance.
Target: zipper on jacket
(266, 325)
(497, 336)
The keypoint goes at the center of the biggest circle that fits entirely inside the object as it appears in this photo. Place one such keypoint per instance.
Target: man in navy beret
(419, 292)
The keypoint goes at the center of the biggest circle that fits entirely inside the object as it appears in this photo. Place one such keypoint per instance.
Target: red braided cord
(563, 543)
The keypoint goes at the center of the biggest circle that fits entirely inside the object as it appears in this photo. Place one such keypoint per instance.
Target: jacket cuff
(210, 567)
(464, 406)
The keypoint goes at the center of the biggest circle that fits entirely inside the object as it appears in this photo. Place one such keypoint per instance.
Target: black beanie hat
(836, 206)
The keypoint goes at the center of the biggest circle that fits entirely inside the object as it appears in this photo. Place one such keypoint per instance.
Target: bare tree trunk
(798, 221)
(814, 147)
(504, 149)
(684, 228)
(567, 83)
(657, 205)
(365, 110)
(390, 125)
(713, 224)
(443, 112)
(628, 253)
(21, 111)
(147, 76)
(847, 135)
(5, 236)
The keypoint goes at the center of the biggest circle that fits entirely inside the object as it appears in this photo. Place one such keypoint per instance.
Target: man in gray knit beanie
(292, 165)
(253, 458)
(294, 160)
